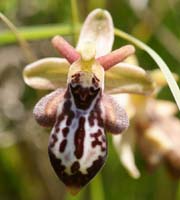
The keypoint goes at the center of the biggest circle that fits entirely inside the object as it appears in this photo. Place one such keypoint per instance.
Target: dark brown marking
(76, 78)
(65, 131)
(83, 97)
(78, 179)
(96, 114)
(79, 138)
(99, 113)
(96, 136)
(63, 146)
(70, 118)
(91, 118)
(96, 142)
(56, 163)
(58, 121)
(97, 164)
(54, 140)
(67, 94)
(67, 105)
(57, 129)
(95, 81)
(100, 120)
(66, 111)
(75, 167)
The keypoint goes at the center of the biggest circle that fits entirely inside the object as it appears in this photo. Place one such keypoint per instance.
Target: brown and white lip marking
(77, 145)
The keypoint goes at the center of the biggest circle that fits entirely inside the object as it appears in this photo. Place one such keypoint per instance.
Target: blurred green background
(25, 171)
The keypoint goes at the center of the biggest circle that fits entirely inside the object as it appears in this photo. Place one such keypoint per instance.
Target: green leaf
(36, 32)
(23, 43)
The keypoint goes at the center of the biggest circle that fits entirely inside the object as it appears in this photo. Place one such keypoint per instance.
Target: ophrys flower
(81, 112)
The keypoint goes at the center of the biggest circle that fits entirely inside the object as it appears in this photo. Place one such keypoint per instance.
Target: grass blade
(75, 18)
(37, 33)
(23, 43)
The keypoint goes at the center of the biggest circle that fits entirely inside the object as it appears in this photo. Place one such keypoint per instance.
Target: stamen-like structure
(116, 56)
(65, 49)
(106, 61)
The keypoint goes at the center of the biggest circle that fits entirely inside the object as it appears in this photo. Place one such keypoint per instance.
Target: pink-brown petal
(65, 49)
(115, 57)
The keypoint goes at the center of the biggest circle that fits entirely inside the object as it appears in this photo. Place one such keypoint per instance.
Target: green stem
(36, 33)
(24, 45)
(96, 187)
(75, 18)
(162, 65)
(178, 191)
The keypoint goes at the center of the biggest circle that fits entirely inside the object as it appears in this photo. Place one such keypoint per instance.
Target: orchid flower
(79, 110)
(153, 128)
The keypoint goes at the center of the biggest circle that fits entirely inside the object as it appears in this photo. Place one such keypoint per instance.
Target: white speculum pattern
(94, 144)
(90, 154)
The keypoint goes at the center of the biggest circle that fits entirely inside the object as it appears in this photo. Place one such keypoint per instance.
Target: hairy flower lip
(107, 61)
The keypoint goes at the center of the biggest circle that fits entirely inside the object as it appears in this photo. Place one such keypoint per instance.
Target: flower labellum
(80, 112)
